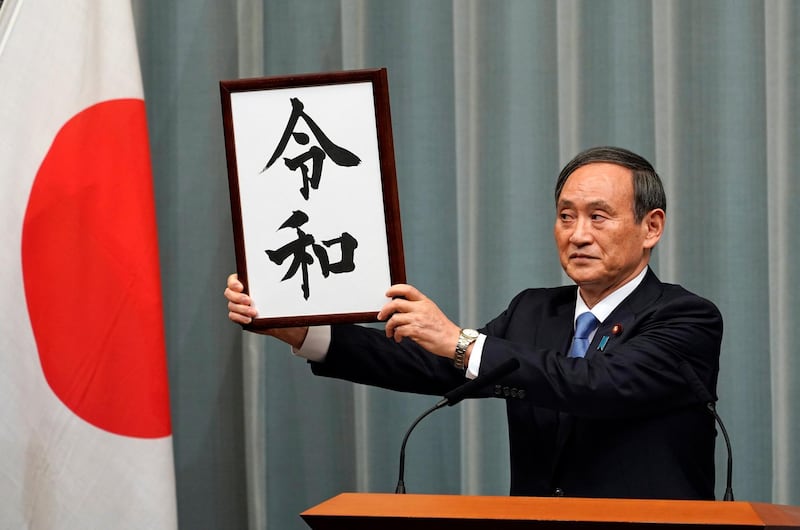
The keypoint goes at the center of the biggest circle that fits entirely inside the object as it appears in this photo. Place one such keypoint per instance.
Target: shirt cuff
(315, 347)
(474, 364)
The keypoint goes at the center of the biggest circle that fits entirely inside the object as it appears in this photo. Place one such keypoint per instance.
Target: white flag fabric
(85, 433)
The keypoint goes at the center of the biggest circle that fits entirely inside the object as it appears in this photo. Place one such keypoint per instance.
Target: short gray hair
(648, 191)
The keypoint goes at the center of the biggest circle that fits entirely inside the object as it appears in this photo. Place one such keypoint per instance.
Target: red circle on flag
(91, 273)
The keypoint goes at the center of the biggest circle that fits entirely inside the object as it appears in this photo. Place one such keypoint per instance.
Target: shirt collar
(604, 307)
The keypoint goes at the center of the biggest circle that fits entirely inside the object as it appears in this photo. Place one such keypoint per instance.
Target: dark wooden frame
(391, 210)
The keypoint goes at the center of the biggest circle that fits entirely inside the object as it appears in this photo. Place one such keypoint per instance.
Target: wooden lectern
(379, 511)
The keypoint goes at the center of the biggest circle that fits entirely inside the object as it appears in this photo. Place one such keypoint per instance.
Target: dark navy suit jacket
(622, 422)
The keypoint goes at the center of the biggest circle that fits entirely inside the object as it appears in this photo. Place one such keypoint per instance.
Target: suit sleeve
(365, 355)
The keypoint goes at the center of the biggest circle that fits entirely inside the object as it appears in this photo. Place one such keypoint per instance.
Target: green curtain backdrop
(489, 98)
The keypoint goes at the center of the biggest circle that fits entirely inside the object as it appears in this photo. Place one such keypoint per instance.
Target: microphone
(700, 390)
(453, 397)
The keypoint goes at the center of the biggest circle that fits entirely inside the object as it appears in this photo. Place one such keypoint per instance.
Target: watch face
(470, 333)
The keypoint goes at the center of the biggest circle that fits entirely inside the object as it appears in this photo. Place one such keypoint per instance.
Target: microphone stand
(728, 496)
(450, 399)
(401, 486)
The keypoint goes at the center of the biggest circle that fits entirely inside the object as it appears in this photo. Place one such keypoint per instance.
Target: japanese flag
(85, 435)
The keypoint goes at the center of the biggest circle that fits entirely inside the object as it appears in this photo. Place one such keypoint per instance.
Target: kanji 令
(316, 154)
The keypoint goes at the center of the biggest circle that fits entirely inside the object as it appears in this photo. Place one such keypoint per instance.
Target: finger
(237, 297)
(245, 308)
(401, 332)
(386, 311)
(241, 313)
(390, 327)
(234, 283)
(239, 318)
(404, 290)
(396, 305)
(397, 327)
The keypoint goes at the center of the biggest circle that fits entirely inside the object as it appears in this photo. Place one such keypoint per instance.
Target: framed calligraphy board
(313, 193)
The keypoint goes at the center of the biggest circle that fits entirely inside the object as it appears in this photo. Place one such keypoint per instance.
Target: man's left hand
(412, 314)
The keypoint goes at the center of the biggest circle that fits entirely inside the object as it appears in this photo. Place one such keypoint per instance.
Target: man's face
(600, 245)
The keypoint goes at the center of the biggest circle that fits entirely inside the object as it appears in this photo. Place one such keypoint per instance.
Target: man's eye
(565, 217)
(598, 217)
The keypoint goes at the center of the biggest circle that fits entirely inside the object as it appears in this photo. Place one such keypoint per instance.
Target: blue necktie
(586, 323)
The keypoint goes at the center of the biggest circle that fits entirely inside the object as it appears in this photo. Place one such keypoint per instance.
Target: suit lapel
(559, 326)
(611, 331)
(624, 315)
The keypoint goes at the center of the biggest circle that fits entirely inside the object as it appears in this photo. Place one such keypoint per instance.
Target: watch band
(465, 338)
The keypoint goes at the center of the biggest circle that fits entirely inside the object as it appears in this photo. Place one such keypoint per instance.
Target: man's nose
(582, 233)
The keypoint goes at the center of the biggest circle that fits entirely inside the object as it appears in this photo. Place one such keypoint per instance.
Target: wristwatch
(465, 338)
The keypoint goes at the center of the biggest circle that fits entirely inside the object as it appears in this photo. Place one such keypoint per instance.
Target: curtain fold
(783, 158)
(488, 100)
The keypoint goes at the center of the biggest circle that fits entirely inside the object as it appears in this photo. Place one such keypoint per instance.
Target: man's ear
(653, 224)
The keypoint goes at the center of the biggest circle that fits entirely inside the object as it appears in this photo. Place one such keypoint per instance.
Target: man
(621, 418)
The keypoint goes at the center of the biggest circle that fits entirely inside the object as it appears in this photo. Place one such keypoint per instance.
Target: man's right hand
(242, 311)
(240, 306)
